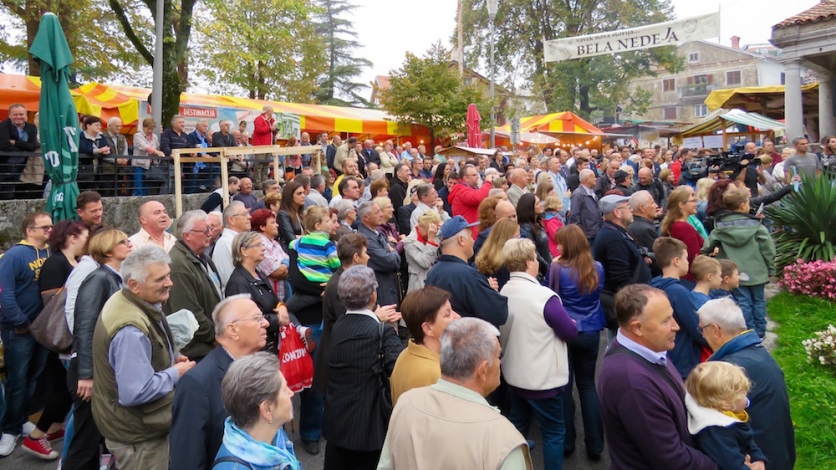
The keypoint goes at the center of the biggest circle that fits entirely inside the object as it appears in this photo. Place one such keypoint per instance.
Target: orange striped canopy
(106, 101)
(555, 123)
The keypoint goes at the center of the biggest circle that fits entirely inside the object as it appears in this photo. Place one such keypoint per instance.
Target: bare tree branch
(129, 31)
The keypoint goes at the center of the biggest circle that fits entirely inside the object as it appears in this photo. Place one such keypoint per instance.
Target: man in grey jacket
(585, 211)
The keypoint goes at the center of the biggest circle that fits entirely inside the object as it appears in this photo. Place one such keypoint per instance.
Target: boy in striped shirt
(317, 259)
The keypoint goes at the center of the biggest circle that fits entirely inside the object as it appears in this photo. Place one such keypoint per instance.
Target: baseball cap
(609, 203)
(454, 226)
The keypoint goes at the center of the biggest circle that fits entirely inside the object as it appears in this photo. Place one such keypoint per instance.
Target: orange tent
(566, 126)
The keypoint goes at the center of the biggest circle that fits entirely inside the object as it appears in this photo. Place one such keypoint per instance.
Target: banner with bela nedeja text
(643, 37)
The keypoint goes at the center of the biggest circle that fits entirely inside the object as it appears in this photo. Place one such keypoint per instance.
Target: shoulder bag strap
(231, 459)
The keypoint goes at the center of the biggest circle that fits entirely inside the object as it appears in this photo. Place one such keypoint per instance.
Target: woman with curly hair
(489, 261)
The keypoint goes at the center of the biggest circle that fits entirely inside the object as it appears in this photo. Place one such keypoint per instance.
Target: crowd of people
(404, 276)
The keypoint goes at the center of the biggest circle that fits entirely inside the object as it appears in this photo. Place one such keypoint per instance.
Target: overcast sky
(389, 29)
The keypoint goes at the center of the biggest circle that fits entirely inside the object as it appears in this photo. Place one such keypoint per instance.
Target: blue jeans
(751, 300)
(548, 413)
(25, 360)
(310, 420)
(139, 188)
(583, 355)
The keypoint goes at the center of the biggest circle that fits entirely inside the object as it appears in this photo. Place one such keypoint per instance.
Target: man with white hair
(198, 414)
(112, 166)
(216, 224)
(236, 220)
(519, 183)
(472, 433)
(315, 196)
(198, 284)
(725, 331)
(427, 200)
(645, 211)
(135, 365)
(153, 221)
(383, 258)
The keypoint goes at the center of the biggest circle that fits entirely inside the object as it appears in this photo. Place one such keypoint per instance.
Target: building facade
(708, 67)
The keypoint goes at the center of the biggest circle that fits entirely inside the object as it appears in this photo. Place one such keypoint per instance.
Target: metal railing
(23, 176)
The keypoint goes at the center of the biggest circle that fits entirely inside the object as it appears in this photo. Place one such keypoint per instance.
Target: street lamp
(492, 5)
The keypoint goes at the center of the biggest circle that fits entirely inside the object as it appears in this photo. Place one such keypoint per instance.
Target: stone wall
(120, 212)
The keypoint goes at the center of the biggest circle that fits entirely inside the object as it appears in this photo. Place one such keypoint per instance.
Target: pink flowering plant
(821, 349)
(815, 278)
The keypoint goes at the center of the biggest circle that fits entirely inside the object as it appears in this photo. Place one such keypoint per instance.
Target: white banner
(643, 37)
(692, 142)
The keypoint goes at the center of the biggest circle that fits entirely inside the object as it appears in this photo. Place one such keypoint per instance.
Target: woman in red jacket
(682, 203)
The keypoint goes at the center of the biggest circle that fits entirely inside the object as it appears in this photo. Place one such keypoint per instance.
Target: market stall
(726, 127)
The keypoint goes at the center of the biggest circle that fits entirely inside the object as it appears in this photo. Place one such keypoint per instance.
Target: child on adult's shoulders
(730, 280)
(716, 401)
(708, 273)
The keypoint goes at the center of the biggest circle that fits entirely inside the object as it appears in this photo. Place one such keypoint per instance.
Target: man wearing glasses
(236, 220)
(20, 304)
(198, 285)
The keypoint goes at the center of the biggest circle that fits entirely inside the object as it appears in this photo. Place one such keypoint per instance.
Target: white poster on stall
(643, 37)
(713, 142)
(692, 142)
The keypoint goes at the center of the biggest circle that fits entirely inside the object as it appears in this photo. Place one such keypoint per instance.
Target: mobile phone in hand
(760, 210)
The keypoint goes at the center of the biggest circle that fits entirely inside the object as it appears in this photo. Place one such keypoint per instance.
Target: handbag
(384, 389)
(296, 363)
(50, 327)
(156, 172)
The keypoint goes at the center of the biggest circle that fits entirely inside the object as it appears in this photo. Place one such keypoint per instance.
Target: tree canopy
(267, 48)
(590, 85)
(429, 91)
(338, 83)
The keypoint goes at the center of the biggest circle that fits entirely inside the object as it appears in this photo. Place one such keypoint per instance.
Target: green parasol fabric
(59, 130)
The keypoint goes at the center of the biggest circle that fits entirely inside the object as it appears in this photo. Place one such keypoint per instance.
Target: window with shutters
(733, 78)
(670, 113)
(694, 57)
(669, 84)
(700, 110)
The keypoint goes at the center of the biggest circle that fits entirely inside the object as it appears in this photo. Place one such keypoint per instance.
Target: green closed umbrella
(59, 130)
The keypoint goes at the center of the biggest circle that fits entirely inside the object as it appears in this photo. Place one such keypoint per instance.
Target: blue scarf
(241, 445)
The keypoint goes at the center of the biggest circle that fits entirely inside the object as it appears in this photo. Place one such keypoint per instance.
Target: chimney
(735, 42)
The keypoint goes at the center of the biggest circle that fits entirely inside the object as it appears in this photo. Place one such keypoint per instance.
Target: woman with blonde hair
(109, 248)
(682, 204)
(489, 261)
(544, 188)
(703, 187)
(578, 279)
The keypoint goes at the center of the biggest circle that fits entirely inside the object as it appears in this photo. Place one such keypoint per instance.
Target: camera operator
(749, 169)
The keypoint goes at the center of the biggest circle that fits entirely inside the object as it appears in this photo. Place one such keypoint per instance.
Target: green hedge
(812, 388)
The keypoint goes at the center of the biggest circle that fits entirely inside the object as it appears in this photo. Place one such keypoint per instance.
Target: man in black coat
(198, 414)
(398, 185)
(370, 153)
(643, 228)
(652, 185)
(16, 135)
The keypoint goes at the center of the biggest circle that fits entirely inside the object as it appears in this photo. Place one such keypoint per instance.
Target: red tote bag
(296, 363)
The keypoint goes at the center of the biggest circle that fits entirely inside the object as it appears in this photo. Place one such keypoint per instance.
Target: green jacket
(196, 289)
(129, 424)
(744, 240)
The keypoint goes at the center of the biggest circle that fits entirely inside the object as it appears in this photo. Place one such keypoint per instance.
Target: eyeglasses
(207, 231)
(242, 214)
(254, 245)
(256, 318)
(701, 328)
(45, 228)
(125, 242)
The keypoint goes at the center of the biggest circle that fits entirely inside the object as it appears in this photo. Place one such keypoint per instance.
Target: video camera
(724, 161)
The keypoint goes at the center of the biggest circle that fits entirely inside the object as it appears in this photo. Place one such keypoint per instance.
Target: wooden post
(178, 184)
(224, 177)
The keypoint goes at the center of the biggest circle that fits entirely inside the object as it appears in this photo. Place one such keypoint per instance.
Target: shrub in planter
(815, 279)
(809, 221)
